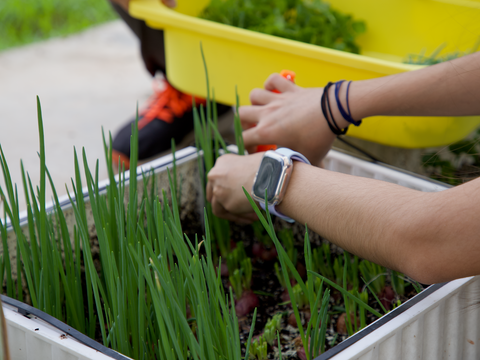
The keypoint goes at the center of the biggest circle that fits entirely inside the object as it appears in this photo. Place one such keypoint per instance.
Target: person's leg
(169, 112)
(151, 41)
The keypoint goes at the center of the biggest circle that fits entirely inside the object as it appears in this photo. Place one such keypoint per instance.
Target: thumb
(278, 82)
(252, 138)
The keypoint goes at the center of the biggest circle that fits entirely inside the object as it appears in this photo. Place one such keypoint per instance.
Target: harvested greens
(308, 21)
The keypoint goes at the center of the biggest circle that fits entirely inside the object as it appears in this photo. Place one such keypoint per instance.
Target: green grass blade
(249, 341)
(375, 296)
(238, 127)
(346, 293)
(209, 105)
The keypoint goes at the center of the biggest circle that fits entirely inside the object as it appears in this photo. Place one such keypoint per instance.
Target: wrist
(370, 97)
(291, 204)
(273, 177)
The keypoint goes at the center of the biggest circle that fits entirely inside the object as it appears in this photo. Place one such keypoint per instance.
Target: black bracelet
(327, 112)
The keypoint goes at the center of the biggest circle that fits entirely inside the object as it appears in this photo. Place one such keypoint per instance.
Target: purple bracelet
(346, 116)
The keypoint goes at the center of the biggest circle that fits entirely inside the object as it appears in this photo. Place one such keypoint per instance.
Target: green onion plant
(313, 339)
(235, 257)
(374, 275)
(208, 141)
(272, 326)
(398, 282)
(236, 282)
(156, 294)
(322, 261)
(259, 349)
(247, 271)
(261, 234)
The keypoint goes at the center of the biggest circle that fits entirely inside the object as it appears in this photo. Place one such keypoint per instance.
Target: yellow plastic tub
(243, 58)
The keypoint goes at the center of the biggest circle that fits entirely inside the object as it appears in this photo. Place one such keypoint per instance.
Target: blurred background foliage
(27, 21)
(457, 163)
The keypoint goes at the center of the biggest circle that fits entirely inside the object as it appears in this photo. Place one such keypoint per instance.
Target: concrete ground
(84, 81)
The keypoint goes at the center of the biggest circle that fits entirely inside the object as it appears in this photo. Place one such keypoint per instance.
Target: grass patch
(27, 21)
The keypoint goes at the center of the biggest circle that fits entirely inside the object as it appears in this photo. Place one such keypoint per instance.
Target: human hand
(224, 187)
(124, 3)
(291, 119)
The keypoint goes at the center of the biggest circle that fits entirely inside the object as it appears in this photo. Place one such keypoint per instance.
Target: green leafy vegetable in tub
(308, 21)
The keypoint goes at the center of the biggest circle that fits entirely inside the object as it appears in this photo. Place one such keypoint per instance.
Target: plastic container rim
(159, 16)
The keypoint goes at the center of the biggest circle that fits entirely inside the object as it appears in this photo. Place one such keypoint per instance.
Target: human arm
(294, 118)
(431, 237)
(124, 3)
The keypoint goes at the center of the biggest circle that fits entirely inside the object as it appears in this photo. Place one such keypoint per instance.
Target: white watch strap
(291, 155)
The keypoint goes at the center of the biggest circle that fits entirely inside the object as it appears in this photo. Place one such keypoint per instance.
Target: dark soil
(269, 291)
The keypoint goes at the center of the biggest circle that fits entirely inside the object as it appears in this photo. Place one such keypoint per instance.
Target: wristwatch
(273, 176)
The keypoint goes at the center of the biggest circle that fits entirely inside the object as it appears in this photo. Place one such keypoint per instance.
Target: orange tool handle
(289, 75)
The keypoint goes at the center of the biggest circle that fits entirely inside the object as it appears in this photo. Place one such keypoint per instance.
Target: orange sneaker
(168, 114)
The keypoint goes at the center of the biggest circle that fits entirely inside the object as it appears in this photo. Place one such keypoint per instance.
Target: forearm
(403, 229)
(447, 89)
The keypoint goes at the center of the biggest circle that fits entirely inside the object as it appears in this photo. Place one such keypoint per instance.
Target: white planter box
(439, 323)
(436, 324)
(30, 337)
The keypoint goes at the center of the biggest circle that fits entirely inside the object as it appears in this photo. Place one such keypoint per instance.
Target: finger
(278, 82)
(218, 209)
(261, 97)
(251, 138)
(249, 116)
(209, 191)
(221, 212)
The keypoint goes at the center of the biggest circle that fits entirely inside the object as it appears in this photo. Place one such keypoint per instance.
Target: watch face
(267, 178)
